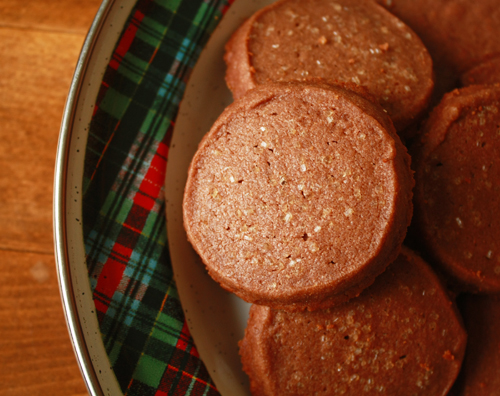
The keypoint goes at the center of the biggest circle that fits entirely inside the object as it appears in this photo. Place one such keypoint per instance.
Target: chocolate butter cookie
(299, 195)
(457, 192)
(346, 40)
(401, 336)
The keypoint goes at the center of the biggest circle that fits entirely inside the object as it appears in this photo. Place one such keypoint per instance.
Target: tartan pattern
(138, 309)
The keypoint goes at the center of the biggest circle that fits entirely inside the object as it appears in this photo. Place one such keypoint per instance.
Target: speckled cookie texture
(299, 195)
(462, 33)
(401, 336)
(345, 40)
(487, 72)
(457, 193)
(459, 34)
(481, 365)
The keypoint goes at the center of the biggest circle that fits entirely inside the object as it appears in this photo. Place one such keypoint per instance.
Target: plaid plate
(140, 316)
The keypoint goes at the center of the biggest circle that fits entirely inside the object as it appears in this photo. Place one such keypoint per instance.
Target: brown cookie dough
(457, 193)
(481, 365)
(401, 336)
(485, 73)
(346, 40)
(299, 196)
(459, 34)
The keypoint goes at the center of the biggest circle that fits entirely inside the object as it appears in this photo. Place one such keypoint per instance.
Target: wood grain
(40, 41)
(66, 16)
(36, 356)
(36, 72)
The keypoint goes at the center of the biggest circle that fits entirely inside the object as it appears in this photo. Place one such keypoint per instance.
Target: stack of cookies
(300, 196)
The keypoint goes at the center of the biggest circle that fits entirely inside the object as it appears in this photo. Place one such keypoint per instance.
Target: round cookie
(347, 41)
(299, 195)
(457, 192)
(401, 336)
(487, 72)
(481, 365)
(459, 34)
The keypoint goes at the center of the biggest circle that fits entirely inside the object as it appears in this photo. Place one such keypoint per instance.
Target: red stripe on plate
(108, 281)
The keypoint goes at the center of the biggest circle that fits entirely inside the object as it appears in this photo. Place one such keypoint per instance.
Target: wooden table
(40, 41)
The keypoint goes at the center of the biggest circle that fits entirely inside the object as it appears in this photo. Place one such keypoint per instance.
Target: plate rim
(66, 279)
